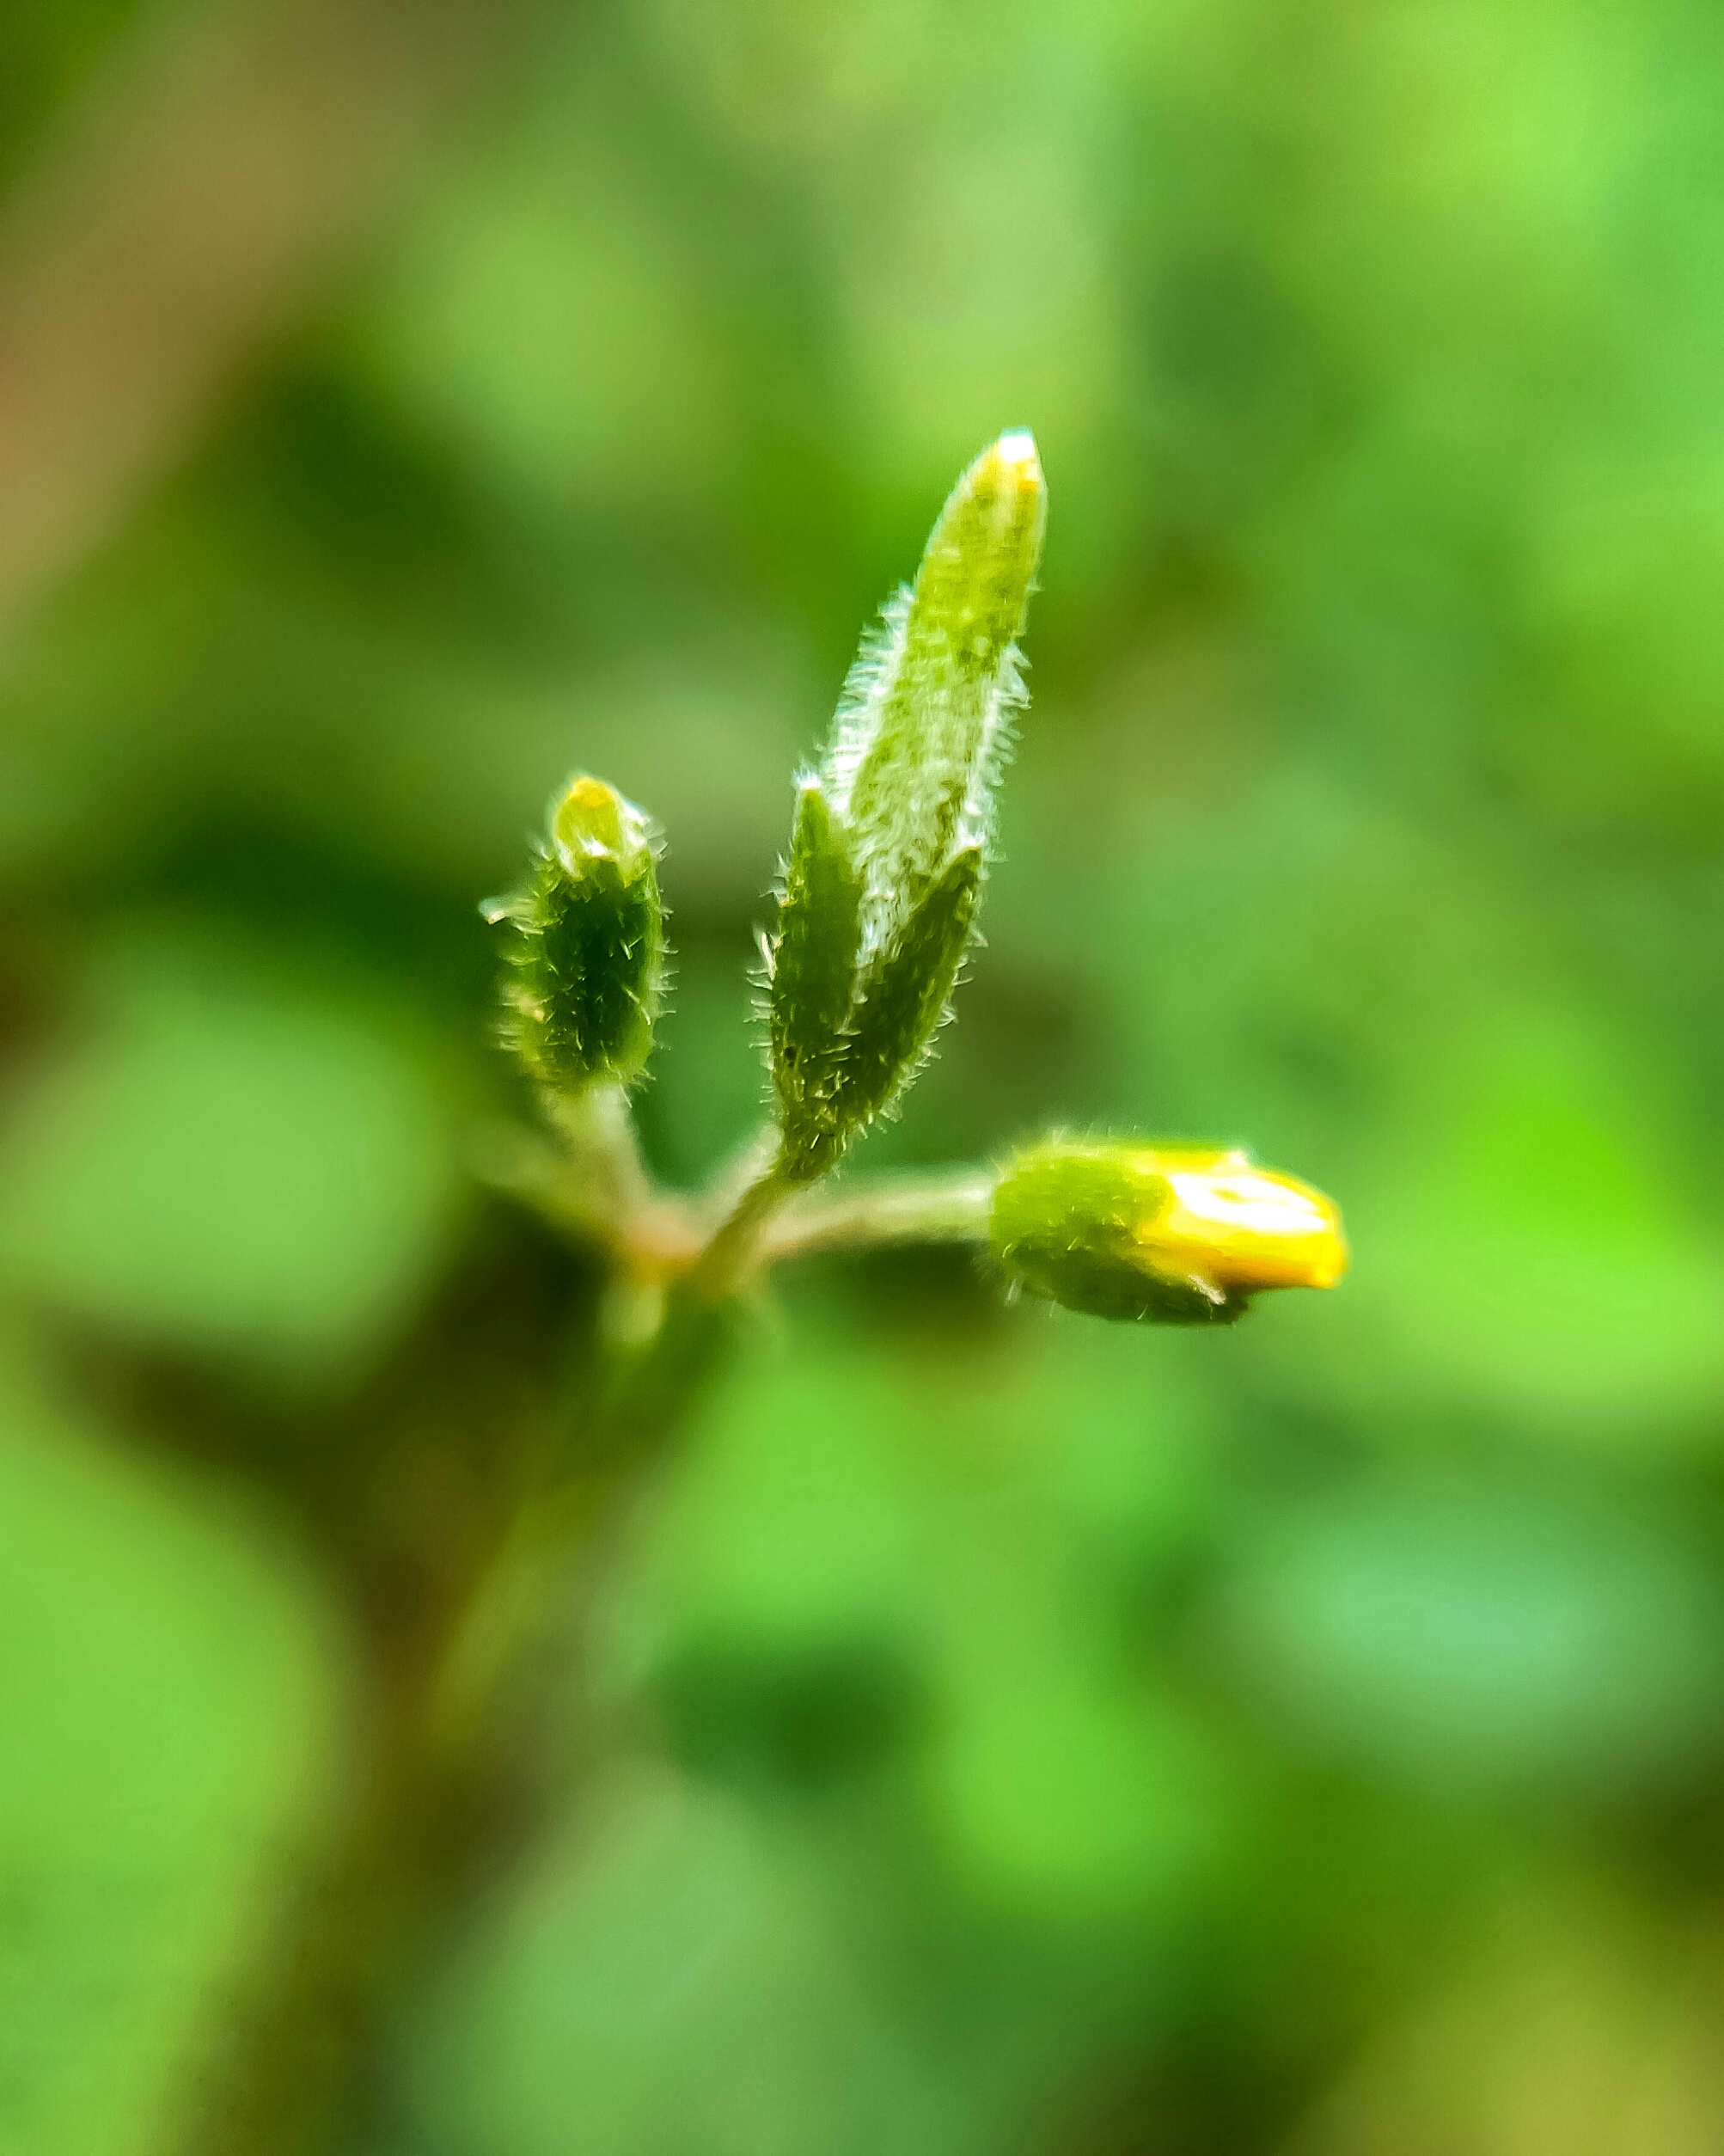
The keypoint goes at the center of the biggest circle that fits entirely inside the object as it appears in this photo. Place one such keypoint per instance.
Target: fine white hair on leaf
(862, 701)
(998, 739)
(933, 735)
(924, 724)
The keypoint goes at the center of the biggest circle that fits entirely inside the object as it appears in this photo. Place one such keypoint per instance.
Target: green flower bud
(924, 722)
(891, 844)
(587, 957)
(1165, 1236)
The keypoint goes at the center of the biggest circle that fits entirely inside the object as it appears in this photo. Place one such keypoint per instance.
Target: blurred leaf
(1579, 2024)
(1078, 1804)
(1467, 1635)
(230, 1158)
(780, 1614)
(675, 1980)
(543, 312)
(165, 1689)
(1542, 1246)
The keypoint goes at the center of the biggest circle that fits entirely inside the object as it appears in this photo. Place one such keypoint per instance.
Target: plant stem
(769, 1220)
(761, 1216)
(733, 1247)
(951, 1207)
(602, 1174)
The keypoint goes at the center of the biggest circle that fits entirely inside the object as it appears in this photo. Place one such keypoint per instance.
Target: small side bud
(1163, 1237)
(587, 957)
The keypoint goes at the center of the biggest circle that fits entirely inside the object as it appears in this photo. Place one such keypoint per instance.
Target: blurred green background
(1019, 1736)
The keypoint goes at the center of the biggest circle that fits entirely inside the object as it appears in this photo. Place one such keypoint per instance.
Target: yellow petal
(1238, 1227)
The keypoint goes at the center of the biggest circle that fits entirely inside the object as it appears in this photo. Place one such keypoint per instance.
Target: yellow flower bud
(1170, 1235)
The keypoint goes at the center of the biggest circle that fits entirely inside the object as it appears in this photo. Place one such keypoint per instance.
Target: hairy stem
(763, 1216)
(733, 1247)
(951, 1207)
(600, 1168)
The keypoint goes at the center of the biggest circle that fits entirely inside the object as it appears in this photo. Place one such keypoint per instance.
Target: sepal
(906, 991)
(811, 983)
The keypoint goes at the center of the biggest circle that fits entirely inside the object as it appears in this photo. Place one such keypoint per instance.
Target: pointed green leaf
(813, 966)
(904, 995)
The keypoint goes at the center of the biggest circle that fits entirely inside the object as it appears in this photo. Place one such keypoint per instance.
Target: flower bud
(925, 718)
(891, 844)
(1167, 1236)
(587, 958)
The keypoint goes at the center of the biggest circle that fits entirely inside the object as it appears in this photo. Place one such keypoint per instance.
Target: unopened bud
(587, 958)
(1168, 1236)
(926, 714)
(890, 845)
